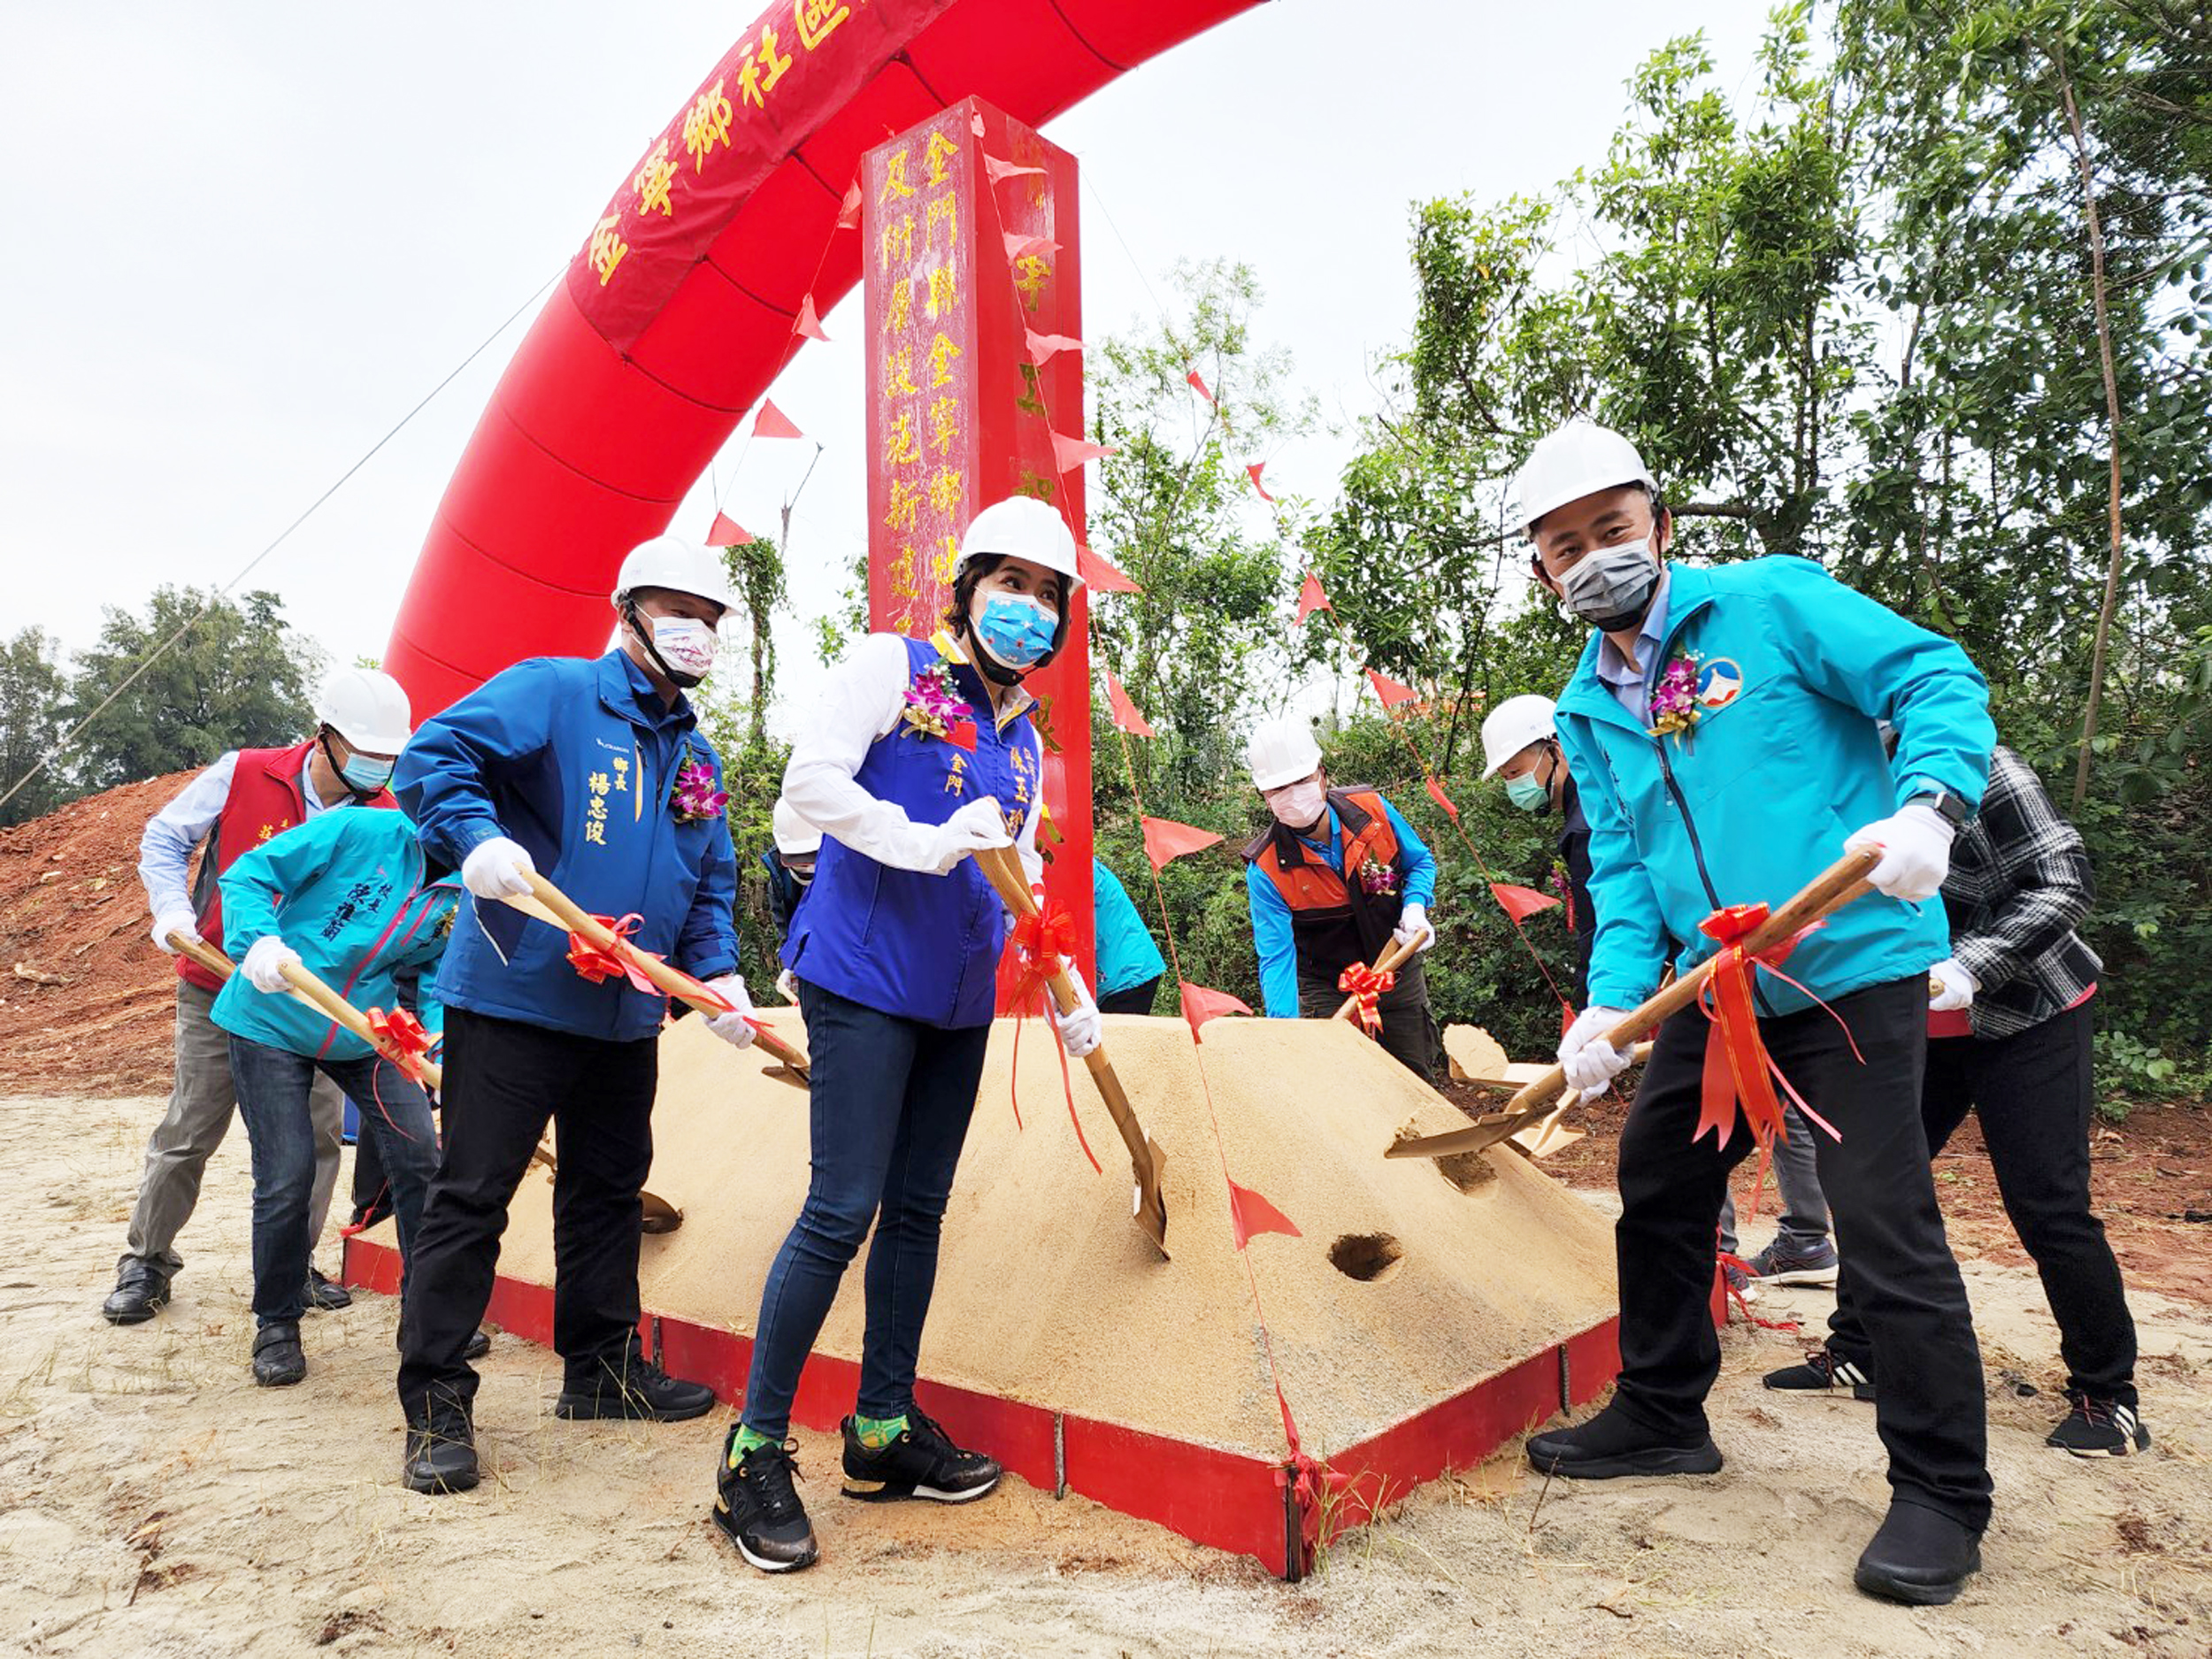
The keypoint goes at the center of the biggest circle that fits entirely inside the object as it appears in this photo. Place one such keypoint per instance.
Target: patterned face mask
(1016, 629)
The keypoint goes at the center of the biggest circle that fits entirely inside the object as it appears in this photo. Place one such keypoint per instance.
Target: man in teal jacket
(1722, 725)
(349, 896)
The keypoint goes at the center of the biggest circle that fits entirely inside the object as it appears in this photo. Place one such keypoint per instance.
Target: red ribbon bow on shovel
(1041, 939)
(1364, 985)
(400, 1037)
(596, 965)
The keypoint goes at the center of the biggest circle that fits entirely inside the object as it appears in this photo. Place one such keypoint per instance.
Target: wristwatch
(1955, 811)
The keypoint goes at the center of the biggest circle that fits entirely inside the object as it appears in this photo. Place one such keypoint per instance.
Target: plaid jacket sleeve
(2027, 873)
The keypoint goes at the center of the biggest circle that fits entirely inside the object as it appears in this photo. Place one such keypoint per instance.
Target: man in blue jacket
(349, 896)
(1723, 724)
(594, 772)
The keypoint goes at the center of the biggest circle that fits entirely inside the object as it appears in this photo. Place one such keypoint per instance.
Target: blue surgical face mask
(1527, 792)
(364, 774)
(1016, 629)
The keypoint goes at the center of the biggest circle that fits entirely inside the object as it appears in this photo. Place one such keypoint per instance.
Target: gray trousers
(1803, 1224)
(200, 1107)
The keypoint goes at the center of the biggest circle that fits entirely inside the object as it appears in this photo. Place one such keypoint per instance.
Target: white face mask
(687, 645)
(1296, 805)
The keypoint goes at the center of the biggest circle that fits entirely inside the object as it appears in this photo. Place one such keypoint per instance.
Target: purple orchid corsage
(1378, 880)
(1674, 705)
(934, 708)
(695, 799)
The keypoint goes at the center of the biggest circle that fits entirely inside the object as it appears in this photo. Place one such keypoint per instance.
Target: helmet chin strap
(989, 667)
(632, 615)
(361, 796)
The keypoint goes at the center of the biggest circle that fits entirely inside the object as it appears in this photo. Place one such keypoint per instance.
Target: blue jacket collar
(626, 691)
(1689, 590)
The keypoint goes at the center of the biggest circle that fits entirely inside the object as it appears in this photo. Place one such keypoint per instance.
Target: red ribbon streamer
(1737, 1067)
(400, 1038)
(627, 960)
(1364, 985)
(1041, 939)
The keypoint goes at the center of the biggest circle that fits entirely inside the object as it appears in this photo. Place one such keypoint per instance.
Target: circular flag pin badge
(1719, 682)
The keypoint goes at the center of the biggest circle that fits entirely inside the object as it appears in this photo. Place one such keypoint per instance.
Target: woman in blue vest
(921, 753)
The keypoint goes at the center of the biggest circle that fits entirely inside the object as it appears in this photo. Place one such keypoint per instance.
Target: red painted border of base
(1228, 1499)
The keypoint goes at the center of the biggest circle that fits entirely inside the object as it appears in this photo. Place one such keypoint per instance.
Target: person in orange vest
(1334, 881)
(246, 798)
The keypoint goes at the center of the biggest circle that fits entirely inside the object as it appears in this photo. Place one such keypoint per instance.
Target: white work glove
(1916, 845)
(975, 826)
(182, 923)
(734, 1027)
(263, 966)
(498, 868)
(1079, 1027)
(1589, 1061)
(1413, 922)
(1950, 987)
(787, 986)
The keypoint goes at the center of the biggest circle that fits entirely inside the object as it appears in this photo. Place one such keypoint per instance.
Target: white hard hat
(1282, 751)
(1577, 459)
(795, 835)
(1022, 527)
(366, 707)
(680, 566)
(1511, 727)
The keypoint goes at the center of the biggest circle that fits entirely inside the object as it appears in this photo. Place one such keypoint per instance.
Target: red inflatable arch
(678, 313)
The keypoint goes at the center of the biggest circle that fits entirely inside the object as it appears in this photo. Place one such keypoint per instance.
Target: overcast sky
(248, 239)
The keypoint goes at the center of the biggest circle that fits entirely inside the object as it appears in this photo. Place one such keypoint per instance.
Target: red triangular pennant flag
(1068, 453)
(809, 326)
(1520, 903)
(1019, 247)
(1250, 1214)
(1437, 795)
(1044, 347)
(975, 124)
(729, 533)
(1102, 574)
(1198, 384)
(1253, 472)
(773, 423)
(1390, 691)
(1310, 598)
(1000, 171)
(849, 210)
(1125, 713)
(1166, 840)
(1201, 1005)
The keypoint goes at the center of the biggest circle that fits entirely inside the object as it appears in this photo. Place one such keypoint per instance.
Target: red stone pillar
(968, 225)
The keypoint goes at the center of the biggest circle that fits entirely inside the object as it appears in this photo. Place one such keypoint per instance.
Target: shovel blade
(660, 1215)
(1151, 1216)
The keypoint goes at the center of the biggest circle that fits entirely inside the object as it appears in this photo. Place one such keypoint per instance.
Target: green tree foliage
(239, 677)
(31, 699)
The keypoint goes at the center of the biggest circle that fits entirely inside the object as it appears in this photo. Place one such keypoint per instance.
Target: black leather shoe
(1610, 1444)
(441, 1450)
(141, 1290)
(1919, 1557)
(325, 1296)
(477, 1345)
(625, 1384)
(278, 1361)
(921, 1463)
(757, 1507)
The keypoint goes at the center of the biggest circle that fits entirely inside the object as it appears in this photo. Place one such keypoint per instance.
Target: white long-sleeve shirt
(860, 704)
(174, 833)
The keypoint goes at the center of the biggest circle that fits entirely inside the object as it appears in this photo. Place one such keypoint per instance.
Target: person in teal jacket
(349, 896)
(1129, 964)
(1723, 727)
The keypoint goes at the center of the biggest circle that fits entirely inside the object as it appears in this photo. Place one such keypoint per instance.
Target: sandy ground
(153, 1501)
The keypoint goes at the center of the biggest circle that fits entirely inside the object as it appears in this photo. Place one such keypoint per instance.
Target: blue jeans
(272, 1085)
(890, 1111)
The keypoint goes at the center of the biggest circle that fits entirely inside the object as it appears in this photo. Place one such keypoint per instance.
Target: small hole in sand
(1366, 1256)
(1466, 1170)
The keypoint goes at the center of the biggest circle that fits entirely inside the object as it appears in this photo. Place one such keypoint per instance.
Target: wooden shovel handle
(1392, 959)
(1826, 894)
(672, 981)
(312, 989)
(199, 952)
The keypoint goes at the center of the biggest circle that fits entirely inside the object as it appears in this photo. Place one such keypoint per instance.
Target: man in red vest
(241, 801)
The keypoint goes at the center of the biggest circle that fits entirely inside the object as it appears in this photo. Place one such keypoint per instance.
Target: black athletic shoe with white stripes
(2100, 1428)
(1824, 1372)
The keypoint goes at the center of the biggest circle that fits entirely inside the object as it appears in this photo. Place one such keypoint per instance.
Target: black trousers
(1135, 999)
(504, 1081)
(1930, 1414)
(1408, 1028)
(2033, 1093)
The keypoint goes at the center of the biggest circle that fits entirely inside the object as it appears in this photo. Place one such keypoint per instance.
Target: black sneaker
(1823, 1372)
(922, 1463)
(141, 1290)
(441, 1450)
(1779, 1264)
(278, 1360)
(2099, 1428)
(1609, 1446)
(1919, 1557)
(625, 1384)
(477, 1345)
(757, 1506)
(325, 1296)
